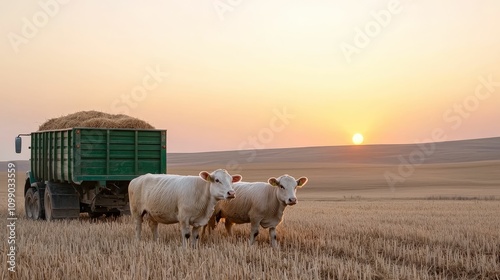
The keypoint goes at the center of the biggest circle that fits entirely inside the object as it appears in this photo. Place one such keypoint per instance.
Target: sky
(235, 74)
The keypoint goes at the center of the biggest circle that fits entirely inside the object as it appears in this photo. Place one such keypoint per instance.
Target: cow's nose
(230, 194)
(292, 201)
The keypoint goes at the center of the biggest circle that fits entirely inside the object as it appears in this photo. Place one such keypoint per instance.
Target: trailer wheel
(28, 203)
(95, 215)
(37, 210)
(48, 205)
(114, 214)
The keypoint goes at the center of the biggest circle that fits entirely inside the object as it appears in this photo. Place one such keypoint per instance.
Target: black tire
(48, 205)
(114, 214)
(37, 207)
(95, 215)
(28, 203)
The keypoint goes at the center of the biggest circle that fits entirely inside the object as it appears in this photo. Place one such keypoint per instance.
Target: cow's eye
(281, 186)
(217, 181)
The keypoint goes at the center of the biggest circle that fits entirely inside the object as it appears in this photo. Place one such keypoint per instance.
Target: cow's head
(221, 183)
(287, 188)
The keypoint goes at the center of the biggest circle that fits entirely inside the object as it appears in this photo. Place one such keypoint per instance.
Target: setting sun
(357, 139)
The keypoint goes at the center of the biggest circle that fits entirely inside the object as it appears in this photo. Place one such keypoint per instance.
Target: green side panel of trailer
(95, 154)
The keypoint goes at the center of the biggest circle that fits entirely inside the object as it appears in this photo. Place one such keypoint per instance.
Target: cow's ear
(273, 181)
(301, 182)
(237, 178)
(206, 176)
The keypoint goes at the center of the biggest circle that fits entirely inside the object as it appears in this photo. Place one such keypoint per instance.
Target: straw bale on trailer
(94, 119)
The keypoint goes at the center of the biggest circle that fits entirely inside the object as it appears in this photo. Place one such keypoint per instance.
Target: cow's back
(150, 186)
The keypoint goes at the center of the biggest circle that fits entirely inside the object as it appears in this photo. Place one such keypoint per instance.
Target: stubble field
(380, 239)
(441, 223)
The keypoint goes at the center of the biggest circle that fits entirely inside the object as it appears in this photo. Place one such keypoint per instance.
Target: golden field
(442, 222)
(383, 239)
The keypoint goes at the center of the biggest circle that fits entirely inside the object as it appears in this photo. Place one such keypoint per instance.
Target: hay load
(94, 119)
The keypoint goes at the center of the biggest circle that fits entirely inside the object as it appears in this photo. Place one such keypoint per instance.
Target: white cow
(188, 200)
(258, 203)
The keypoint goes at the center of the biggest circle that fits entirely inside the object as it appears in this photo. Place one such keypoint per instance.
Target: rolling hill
(468, 168)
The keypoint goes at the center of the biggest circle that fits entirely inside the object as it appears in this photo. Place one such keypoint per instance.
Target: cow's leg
(203, 231)
(138, 225)
(138, 228)
(195, 234)
(254, 230)
(272, 236)
(229, 226)
(185, 232)
(211, 223)
(154, 228)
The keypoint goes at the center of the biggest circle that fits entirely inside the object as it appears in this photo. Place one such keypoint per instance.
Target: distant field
(440, 223)
(337, 181)
(460, 168)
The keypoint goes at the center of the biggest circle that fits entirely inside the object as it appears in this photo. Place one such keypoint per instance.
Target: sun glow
(357, 139)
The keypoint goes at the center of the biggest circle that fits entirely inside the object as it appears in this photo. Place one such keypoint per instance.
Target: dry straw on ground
(94, 119)
(386, 239)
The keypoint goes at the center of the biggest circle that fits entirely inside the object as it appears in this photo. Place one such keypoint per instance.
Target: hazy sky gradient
(228, 77)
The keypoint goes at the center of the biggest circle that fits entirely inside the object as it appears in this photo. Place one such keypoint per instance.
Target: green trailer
(80, 170)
